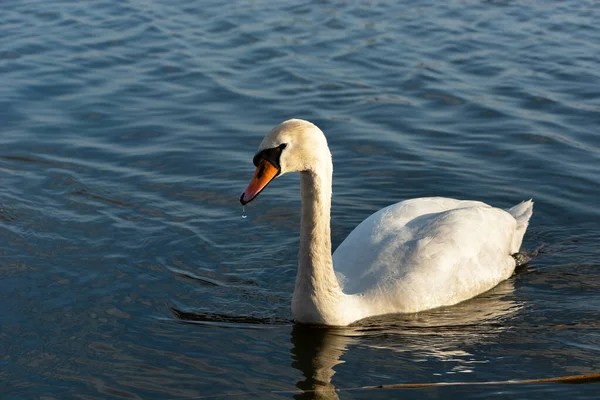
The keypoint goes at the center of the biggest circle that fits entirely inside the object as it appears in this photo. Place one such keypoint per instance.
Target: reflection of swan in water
(316, 352)
(440, 334)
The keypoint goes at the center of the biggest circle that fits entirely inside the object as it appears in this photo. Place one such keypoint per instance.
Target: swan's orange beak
(265, 172)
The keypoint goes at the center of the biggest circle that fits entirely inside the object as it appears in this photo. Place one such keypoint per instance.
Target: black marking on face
(271, 155)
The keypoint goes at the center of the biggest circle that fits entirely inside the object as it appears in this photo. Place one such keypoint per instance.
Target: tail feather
(521, 212)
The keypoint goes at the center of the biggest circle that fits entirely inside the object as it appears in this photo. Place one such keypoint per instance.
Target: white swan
(411, 256)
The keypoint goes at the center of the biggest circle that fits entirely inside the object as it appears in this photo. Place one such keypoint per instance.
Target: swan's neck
(317, 292)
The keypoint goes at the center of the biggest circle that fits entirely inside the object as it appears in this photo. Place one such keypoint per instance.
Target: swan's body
(411, 256)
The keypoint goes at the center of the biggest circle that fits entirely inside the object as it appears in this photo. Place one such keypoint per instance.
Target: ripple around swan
(127, 132)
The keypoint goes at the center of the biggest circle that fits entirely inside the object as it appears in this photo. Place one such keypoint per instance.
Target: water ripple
(127, 134)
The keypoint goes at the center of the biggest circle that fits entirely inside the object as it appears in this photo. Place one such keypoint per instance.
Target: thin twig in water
(571, 379)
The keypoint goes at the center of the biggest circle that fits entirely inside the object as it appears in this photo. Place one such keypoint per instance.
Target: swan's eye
(271, 155)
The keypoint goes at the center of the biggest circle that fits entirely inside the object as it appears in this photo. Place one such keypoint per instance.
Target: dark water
(127, 131)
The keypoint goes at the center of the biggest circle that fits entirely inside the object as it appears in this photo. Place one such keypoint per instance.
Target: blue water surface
(127, 130)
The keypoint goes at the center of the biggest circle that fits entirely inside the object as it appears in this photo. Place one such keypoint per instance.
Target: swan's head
(294, 145)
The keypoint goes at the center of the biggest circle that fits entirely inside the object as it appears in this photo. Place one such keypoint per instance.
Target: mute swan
(411, 256)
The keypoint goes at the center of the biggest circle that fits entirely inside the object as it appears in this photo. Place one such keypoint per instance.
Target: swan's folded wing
(382, 237)
(433, 259)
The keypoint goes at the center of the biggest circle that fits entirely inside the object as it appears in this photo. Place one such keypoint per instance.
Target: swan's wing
(383, 229)
(430, 250)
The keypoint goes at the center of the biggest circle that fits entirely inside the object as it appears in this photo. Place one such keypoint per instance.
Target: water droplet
(244, 216)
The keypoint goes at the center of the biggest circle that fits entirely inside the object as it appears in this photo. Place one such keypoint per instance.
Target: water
(127, 131)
